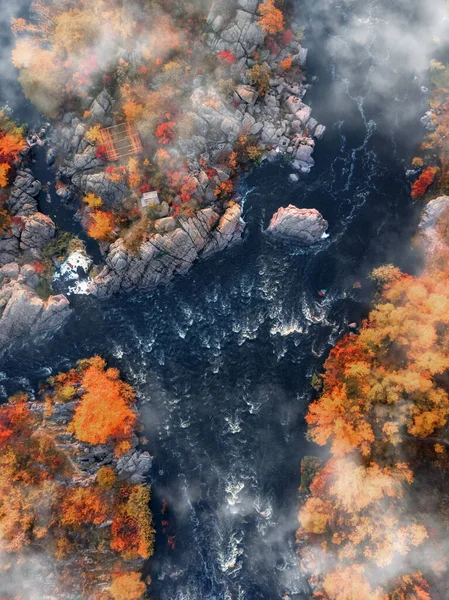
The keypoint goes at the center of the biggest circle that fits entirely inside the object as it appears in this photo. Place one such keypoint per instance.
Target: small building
(149, 198)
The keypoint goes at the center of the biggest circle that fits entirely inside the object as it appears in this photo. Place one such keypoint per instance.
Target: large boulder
(431, 235)
(23, 312)
(38, 229)
(25, 190)
(305, 226)
(101, 108)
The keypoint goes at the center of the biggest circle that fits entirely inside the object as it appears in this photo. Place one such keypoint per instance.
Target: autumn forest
(152, 113)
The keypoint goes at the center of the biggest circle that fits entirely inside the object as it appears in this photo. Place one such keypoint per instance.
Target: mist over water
(222, 358)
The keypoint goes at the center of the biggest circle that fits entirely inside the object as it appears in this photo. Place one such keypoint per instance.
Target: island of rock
(304, 226)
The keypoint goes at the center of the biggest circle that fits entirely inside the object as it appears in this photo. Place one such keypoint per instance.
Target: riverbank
(373, 520)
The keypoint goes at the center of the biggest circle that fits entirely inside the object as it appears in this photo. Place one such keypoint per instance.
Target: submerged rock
(305, 226)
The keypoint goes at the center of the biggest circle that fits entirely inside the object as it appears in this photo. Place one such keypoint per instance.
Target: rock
(412, 173)
(51, 156)
(10, 270)
(228, 232)
(22, 200)
(305, 226)
(249, 5)
(430, 235)
(319, 131)
(256, 128)
(218, 23)
(29, 276)
(293, 103)
(222, 175)
(428, 121)
(248, 121)
(303, 114)
(38, 229)
(170, 253)
(100, 185)
(165, 225)
(118, 258)
(9, 249)
(25, 313)
(293, 177)
(134, 466)
(101, 108)
(247, 93)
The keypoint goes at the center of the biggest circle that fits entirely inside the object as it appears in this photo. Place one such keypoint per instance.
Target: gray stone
(249, 5)
(218, 23)
(165, 225)
(24, 313)
(22, 200)
(302, 225)
(247, 93)
(319, 131)
(38, 229)
(428, 226)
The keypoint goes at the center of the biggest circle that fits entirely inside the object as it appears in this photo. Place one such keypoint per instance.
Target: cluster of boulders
(279, 118)
(22, 310)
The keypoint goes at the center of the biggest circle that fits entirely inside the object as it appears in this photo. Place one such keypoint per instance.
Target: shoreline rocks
(304, 226)
(164, 256)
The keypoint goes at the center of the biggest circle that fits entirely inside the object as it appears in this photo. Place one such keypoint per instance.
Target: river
(222, 358)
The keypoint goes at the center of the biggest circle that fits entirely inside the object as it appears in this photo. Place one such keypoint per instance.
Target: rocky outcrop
(164, 256)
(23, 198)
(38, 229)
(430, 234)
(305, 226)
(22, 311)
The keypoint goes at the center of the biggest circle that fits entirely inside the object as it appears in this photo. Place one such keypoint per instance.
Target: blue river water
(222, 358)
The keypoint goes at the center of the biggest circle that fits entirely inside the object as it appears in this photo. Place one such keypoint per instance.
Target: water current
(222, 358)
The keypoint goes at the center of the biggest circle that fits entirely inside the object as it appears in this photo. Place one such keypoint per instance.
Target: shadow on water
(222, 358)
(62, 212)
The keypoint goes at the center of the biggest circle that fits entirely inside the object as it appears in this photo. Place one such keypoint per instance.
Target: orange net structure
(121, 140)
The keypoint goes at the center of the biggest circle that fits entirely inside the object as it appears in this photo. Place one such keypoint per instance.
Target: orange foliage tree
(272, 19)
(101, 225)
(105, 411)
(127, 586)
(132, 533)
(424, 181)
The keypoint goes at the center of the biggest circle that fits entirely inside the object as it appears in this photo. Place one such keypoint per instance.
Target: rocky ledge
(305, 226)
(166, 254)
